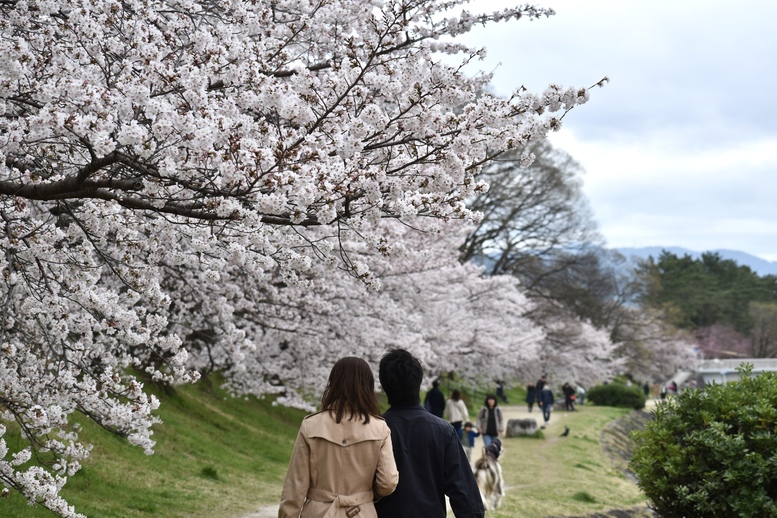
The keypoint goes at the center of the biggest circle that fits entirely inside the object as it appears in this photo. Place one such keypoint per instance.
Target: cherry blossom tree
(476, 325)
(449, 314)
(174, 174)
(573, 350)
(651, 348)
(722, 341)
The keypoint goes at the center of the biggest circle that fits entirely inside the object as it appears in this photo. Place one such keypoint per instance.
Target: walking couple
(348, 461)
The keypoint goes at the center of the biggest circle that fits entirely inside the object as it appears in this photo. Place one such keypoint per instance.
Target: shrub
(711, 452)
(209, 472)
(582, 496)
(618, 395)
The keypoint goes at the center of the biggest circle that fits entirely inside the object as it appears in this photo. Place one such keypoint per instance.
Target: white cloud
(644, 196)
(680, 148)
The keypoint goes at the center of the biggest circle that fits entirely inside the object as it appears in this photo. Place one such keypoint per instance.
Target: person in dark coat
(569, 397)
(545, 400)
(500, 391)
(431, 462)
(531, 395)
(434, 401)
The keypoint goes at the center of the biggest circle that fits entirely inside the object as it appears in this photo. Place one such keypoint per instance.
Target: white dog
(488, 473)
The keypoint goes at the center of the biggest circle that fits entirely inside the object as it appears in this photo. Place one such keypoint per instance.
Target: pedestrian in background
(580, 395)
(468, 435)
(456, 410)
(531, 395)
(434, 401)
(490, 421)
(569, 397)
(500, 391)
(545, 401)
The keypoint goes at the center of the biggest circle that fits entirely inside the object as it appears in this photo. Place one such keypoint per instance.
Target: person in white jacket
(456, 411)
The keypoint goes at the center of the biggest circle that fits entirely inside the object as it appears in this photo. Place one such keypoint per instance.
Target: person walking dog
(490, 421)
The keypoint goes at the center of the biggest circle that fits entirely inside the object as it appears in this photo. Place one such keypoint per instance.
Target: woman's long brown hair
(351, 387)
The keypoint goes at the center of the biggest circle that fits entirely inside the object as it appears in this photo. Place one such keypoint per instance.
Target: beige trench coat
(335, 468)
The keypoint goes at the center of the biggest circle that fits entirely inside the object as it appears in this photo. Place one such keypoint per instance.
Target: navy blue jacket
(546, 397)
(431, 464)
(435, 401)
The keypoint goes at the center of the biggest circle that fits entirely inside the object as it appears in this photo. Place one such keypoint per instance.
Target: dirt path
(269, 511)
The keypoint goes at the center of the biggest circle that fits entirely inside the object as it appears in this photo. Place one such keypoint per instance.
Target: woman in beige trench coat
(343, 458)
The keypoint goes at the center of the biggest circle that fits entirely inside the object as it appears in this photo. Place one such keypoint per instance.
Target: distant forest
(731, 310)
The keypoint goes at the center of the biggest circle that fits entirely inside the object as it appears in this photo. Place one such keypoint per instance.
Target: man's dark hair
(400, 375)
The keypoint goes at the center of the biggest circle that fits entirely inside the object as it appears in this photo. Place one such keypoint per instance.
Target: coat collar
(322, 425)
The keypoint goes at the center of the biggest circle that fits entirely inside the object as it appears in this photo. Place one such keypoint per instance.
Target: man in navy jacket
(428, 453)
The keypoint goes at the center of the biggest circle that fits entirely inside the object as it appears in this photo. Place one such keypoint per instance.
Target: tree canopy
(699, 294)
(536, 218)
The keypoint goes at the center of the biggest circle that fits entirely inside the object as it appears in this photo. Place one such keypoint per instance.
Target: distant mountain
(760, 266)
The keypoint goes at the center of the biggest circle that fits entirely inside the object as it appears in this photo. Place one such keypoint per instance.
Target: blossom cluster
(449, 314)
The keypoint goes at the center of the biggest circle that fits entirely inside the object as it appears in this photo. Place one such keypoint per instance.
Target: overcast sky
(680, 148)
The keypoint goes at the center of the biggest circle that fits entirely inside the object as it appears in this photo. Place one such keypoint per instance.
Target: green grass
(219, 457)
(560, 476)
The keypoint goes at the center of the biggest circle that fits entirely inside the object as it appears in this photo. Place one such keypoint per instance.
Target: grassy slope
(215, 457)
(218, 457)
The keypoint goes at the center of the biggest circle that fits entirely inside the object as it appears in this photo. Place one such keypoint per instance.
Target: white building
(722, 371)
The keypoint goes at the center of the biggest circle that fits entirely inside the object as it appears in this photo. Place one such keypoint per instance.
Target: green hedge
(712, 452)
(617, 395)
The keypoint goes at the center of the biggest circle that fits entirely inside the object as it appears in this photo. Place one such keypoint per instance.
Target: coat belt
(339, 501)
